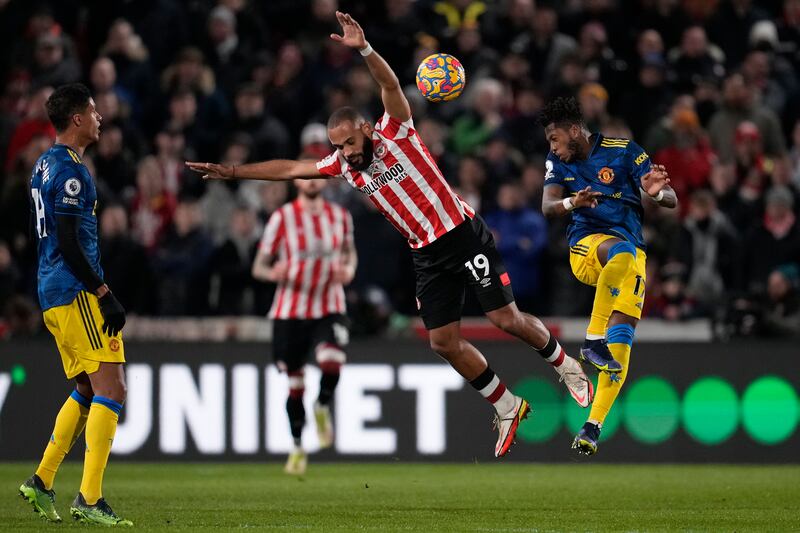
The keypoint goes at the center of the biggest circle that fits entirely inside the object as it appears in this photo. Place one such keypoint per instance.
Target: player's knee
(330, 358)
(624, 251)
(508, 320)
(297, 383)
(446, 345)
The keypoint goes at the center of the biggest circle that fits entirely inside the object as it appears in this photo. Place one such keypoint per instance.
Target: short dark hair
(561, 111)
(66, 101)
(344, 114)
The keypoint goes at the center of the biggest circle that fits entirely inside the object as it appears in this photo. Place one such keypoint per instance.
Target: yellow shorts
(78, 330)
(586, 267)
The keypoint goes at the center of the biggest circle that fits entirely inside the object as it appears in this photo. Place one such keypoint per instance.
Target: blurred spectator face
(791, 11)
(119, 36)
(324, 10)
(756, 67)
(273, 194)
(113, 222)
(314, 140)
(514, 67)
(243, 223)
(521, 11)
(468, 40)
(189, 67)
(471, 174)
(649, 43)
(237, 153)
(532, 180)
(397, 9)
(496, 150)
(593, 39)
(701, 205)
(686, 126)
(779, 203)
(36, 104)
(694, 42)
(108, 105)
(528, 102)
(170, 144)
(310, 188)
(288, 64)
(103, 75)
(5, 256)
(736, 93)
(360, 81)
(571, 72)
(510, 197)
(187, 218)
(778, 286)
(41, 23)
(545, 22)
(488, 96)
(249, 103)
(110, 143)
(593, 99)
(747, 141)
(183, 108)
(221, 24)
(49, 51)
(149, 180)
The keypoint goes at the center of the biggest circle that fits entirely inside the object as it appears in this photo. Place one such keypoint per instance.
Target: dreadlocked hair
(561, 111)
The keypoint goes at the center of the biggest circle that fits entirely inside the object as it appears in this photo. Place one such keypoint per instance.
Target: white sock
(593, 337)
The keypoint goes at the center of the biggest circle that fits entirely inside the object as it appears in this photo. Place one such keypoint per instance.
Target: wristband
(568, 205)
(660, 196)
(367, 50)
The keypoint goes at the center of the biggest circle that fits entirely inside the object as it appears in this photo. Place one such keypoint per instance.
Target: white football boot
(578, 385)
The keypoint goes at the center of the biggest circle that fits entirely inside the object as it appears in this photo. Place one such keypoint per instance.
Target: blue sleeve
(638, 161)
(70, 189)
(552, 172)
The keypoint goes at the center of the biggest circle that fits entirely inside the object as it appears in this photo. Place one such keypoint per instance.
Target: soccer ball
(441, 77)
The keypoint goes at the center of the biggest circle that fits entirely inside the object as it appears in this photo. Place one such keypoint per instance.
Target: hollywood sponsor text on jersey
(396, 172)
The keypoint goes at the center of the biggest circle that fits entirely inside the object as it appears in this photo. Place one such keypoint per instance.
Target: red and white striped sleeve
(330, 165)
(274, 233)
(395, 129)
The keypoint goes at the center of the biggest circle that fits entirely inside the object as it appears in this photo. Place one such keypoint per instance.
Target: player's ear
(574, 131)
(367, 129)
(77, 119)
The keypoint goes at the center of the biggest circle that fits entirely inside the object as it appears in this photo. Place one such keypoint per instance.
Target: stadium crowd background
(709, 88)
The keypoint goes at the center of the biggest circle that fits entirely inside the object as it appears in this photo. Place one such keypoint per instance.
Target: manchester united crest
(113, 344)
(606, 175)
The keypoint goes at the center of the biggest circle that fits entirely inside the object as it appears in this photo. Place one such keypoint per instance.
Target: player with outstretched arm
(452, 248)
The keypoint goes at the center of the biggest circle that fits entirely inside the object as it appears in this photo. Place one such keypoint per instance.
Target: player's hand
(113, 314)
(212, 171)
(353, 34)
(342, 273)
(280, 272)
(586, 198)
(654, 181)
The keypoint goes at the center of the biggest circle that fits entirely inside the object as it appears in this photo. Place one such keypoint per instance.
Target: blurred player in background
(598, 179)
(308, 250)
(452, 247)
(79, 309)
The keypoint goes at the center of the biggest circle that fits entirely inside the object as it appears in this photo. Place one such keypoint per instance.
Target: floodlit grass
(428, 497)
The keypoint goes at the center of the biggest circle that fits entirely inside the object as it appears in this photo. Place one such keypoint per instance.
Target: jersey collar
(598, 137)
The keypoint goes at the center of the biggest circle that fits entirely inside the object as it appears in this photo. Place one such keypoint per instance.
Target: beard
(366, 156)
(573, 149)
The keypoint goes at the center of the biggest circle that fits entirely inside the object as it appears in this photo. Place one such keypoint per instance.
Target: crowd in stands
(711, 89)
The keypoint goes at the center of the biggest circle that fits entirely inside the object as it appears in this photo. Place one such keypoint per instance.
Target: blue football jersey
(61, 185)
(615, 168)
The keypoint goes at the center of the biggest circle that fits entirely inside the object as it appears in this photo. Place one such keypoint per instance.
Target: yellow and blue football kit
(62, 188)
(614, 168)
(61, 185)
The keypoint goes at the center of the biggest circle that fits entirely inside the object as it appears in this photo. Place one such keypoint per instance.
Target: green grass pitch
(428, 497)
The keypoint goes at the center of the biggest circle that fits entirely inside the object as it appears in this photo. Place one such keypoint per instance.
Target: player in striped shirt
(308, 250)
(451, 246)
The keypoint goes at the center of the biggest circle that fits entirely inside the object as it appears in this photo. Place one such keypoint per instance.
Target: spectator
(543, 46)
(270, 137)
(471, 181)
(103, 77)
(52, 65)
(773, 242)
(696, 60)
(739, 105)
(520, 233)
(710, 251)
(782, 313)
(501, 27)
(226, 52)
(688, 157)
(757, 72)
(230, 266)
(152, 206)
(732, 21)
(794, 155)
(477, 125)
(593, 99)
(35, 123)
(130, 57)
(479, 60)
(181, 264)
(647, 98)
(115, 164)
(125, 262)
(170, 147)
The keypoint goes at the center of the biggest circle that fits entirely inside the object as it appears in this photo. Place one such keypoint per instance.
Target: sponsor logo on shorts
(114, 345)
(485, 282)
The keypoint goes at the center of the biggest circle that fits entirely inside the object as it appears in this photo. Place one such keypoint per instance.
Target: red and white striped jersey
(404, 183)
(312, 244)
